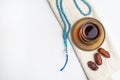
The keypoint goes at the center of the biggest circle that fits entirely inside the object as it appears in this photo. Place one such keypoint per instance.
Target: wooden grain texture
(109, 66)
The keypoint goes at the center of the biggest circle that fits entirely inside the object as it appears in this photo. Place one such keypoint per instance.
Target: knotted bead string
(67, 23)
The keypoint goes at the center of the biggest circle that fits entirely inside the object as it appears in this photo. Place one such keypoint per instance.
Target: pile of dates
(98, 59)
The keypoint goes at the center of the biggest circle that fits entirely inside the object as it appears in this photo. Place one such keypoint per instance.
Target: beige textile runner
(111, 65)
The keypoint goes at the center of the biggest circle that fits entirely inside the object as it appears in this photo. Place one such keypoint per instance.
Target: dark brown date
(98, 59)
(104, 52)
(92, 65)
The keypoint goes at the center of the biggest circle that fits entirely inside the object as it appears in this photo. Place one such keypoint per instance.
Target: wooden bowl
(88, 34)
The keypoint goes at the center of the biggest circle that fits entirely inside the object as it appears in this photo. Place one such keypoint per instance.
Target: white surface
(31, 45)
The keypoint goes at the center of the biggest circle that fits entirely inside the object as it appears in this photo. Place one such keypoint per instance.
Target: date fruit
(98, 59)
(92, 65)
(104, 52)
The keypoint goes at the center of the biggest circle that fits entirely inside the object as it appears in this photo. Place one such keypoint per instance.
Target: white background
(31, 44)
